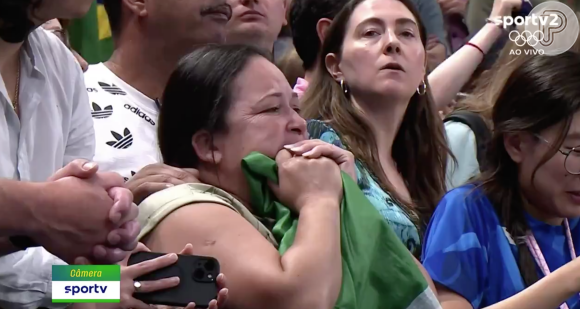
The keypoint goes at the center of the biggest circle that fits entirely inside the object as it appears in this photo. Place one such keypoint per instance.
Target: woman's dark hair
(542, 92)
(197, 97)
(419, 149)
(15, 22)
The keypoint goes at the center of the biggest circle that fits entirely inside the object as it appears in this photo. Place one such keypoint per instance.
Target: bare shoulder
(209, 227)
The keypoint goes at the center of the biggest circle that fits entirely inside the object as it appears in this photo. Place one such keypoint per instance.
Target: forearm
(451, 75)
(316, 254)
(549, 292)
(17, 199)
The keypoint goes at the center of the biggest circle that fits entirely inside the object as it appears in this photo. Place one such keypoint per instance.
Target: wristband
(22, 242)
(475, 46)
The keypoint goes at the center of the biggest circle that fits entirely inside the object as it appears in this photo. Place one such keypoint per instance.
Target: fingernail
(289, 146)
(175, 280)
(173, 256)
(226, 291)
(169, 185)
(89, 165)
(308, 153)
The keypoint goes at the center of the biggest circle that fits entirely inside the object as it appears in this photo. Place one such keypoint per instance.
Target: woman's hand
(303, 181)
(503, 8)
(129, 273)
(315, 148)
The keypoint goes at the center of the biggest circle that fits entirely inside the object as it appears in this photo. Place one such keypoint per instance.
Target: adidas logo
(121, 141)
(138, 112)
(127, 178)
(112, 89)
(99, 113)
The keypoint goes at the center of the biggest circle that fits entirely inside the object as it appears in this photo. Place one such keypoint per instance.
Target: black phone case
(197, 284)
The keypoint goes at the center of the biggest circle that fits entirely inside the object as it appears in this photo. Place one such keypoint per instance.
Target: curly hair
(15, 21)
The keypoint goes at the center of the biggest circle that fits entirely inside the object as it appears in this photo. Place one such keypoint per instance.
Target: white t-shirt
(462, 143)
(55, 128)
(125, 122)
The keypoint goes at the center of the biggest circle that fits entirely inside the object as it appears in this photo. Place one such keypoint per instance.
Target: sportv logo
(86, 283)
(551, 28)
(85, 289)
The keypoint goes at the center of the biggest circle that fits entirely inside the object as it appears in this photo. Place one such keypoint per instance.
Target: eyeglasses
(572, 161)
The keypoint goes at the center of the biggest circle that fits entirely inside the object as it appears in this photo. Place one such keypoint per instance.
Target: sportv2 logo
(551, 28)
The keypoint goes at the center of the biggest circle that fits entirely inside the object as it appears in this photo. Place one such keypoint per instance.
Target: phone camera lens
(210, 265)
(198, 274)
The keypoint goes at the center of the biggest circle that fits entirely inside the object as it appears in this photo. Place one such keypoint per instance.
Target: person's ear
(205, 148)
(322, 27)
(517, 145)
(138, 7)
(286, 4)
(333, 66)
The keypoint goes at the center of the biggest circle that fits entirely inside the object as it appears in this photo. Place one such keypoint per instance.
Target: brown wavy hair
(419, 149)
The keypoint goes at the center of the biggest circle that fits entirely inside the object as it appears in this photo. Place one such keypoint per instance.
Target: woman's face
(263, 116)
(555, 192)
(382, 50)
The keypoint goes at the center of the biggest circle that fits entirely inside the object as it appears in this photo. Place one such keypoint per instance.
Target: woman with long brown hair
(370, 94)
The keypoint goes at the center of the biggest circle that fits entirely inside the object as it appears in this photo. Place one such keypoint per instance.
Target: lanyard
(539, 257)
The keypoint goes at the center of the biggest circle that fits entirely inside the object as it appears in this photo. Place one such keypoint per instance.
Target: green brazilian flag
(90, 36)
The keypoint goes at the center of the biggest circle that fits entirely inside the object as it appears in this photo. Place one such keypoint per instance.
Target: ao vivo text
(85, 289)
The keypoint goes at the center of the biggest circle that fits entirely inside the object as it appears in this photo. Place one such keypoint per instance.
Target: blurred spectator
(58, 28)
(291, 65)
(437, 45)
(257, 23)
(454, 13)
(283, 43)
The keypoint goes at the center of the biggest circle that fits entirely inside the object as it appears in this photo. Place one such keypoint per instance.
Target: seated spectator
(518, 222)
(363, 63)
(245, 105)
(45, 125)
(122, 91)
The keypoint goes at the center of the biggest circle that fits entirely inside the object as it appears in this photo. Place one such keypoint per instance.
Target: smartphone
(525, 10)
(197, 275)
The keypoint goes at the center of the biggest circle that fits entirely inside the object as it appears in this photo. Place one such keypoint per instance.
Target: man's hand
(156, 177)
(111, 212)
(451, 7)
